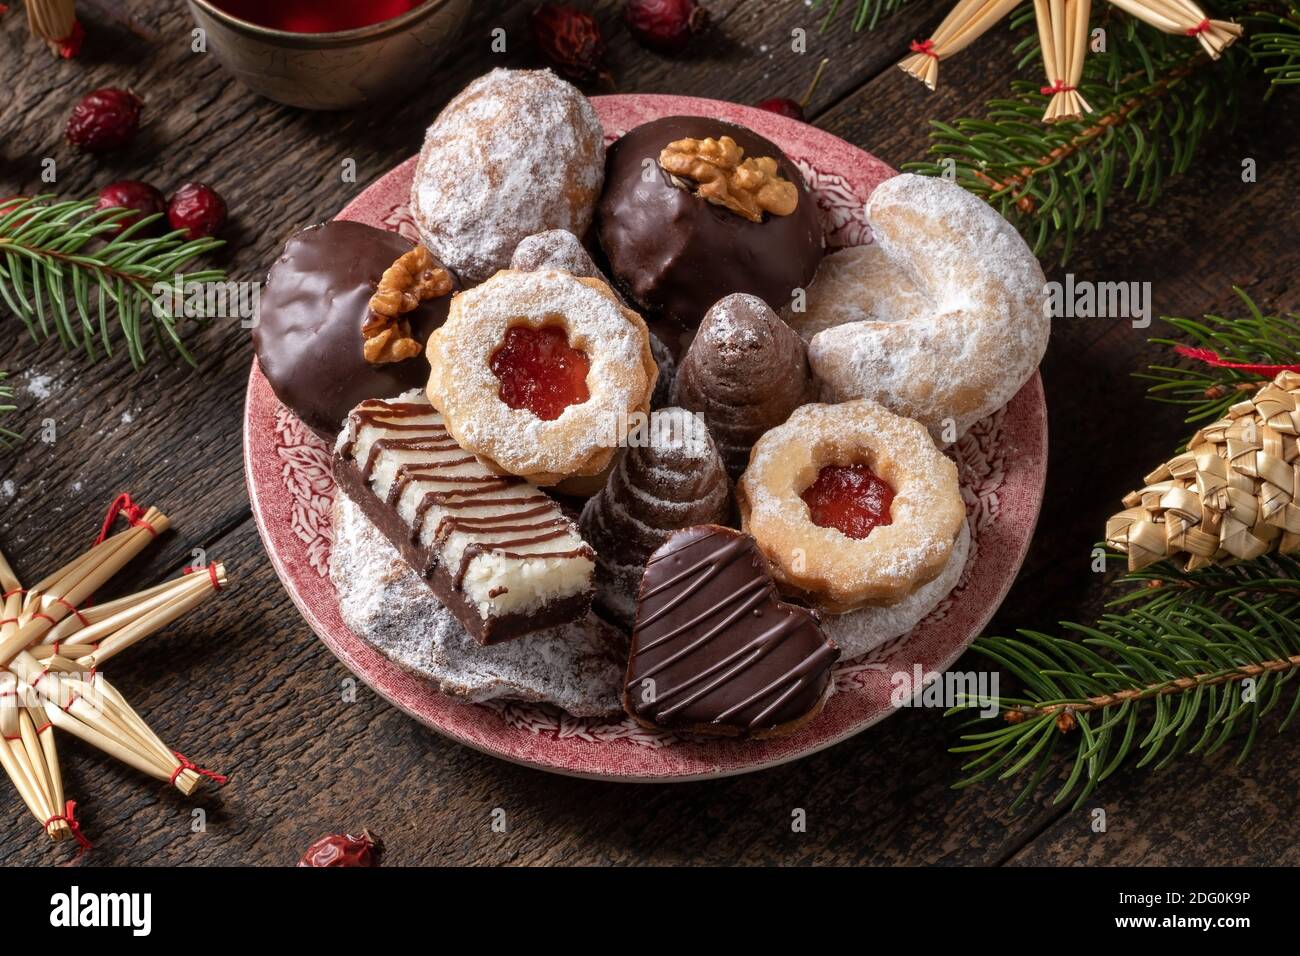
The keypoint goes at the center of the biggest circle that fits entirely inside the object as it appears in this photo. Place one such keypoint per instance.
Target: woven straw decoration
(1235, 492)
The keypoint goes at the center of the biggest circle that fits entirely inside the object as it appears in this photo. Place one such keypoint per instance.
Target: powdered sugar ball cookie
(515, 153)
(942, 318)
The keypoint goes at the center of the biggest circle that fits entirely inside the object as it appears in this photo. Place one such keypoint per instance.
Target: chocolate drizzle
(477, 511)
(714, 649)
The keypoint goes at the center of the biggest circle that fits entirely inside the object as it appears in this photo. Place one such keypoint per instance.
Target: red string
(69, 816)
(1212, 358)
(73, 609)
(70, 45)
(925, 47)
(8, 594)
(123, 505)
(1202, 27)
(212, 573)
(1060, 86)
(187, 764)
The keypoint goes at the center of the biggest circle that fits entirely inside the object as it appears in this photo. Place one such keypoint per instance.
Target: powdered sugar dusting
(515, 153)
(858, 632)
(942, 319)
(465, 389)
(578, 667)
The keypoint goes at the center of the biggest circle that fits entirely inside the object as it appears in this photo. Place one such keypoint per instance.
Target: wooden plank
(244, 686)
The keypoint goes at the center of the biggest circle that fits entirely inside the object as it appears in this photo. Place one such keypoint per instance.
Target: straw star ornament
(1063, 36)
(52, 644)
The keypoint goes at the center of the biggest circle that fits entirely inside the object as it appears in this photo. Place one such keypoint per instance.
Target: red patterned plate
(1003, 464)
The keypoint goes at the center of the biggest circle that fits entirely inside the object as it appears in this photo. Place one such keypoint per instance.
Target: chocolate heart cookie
(715, 651)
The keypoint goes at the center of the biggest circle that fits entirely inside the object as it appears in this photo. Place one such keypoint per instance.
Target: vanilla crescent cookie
(910, 542)
(942, 318)
(541, 374)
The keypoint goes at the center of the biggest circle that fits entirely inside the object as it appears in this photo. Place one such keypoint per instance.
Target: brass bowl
(334, 71)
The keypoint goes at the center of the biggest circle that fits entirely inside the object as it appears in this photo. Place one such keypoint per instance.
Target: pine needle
(1183, 665)
(66, 276)
(7, 437)
(1208, 392)
(867, 13)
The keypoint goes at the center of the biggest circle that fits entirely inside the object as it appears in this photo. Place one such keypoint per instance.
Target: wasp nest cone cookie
(942, 319)
(745, 372)
(516, 152)
(714, 651)
(542, 374)
(671, 477)
(697, 208)
(852, 504)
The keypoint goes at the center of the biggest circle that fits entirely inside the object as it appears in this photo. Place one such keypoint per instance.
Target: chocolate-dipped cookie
(309, 336)
(745, 372)
(677, 243)
(670, 478)
(715, 652)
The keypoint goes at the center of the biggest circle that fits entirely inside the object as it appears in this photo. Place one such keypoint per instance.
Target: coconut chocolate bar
(495, 549)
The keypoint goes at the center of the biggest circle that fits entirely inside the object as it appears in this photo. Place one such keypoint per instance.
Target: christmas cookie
(515, 153)
(494, 549)
(715, 652)
(542, 374)
(857, 632)
(576, 666)
(695, 209)
(942, 318)
(852, 504)
(319, 342)
(745, 372)
(562, 250)
(671, 477)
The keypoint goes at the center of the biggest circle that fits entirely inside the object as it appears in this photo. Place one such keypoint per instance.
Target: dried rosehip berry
(132, 194)
(571, 41)
(104, 119)
(665, 25)
(343, 849)
(197, 209)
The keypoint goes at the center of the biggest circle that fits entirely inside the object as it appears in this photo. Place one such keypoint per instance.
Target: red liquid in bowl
(316, 16)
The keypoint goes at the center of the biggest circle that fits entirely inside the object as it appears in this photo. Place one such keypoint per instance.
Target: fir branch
(1155, 97)
(1276, 43)
(1144, 684)
(867, 13)
(7, 437)
(1207, 392)
(65, 275)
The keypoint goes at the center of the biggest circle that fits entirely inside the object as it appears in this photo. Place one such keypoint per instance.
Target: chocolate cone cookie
(672, 480)
(745, 372)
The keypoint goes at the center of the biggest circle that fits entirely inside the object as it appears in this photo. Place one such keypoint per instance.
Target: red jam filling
(850, 498)
(540, 371)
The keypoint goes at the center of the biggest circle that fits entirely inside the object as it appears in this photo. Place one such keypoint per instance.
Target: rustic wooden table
(244, 686)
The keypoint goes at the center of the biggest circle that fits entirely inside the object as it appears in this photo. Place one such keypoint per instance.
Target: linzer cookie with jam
(495, 549)
(715, 652)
